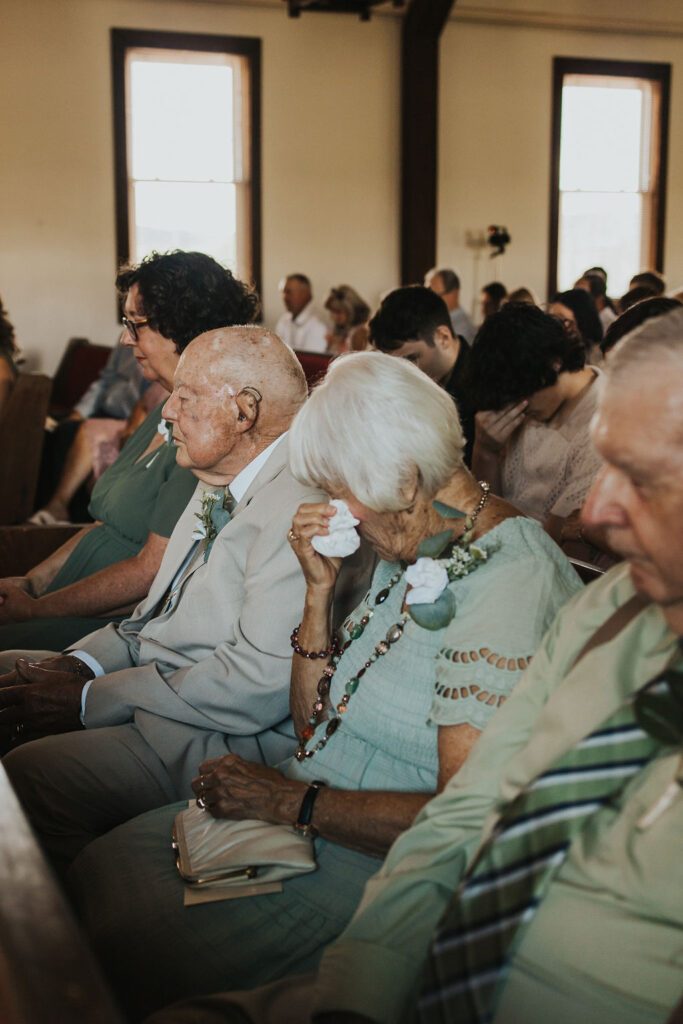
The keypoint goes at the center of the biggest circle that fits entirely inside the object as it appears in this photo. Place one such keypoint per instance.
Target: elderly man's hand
(59, 662)
(45, 698)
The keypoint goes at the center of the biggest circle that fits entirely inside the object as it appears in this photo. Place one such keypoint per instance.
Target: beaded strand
(393, 634)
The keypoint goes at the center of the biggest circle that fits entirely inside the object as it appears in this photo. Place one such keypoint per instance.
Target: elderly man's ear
(247, 405)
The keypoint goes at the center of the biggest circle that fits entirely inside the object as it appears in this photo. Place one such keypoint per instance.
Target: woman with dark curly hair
(579, 315)
(8, 348)
(536, 398)
(107, 568)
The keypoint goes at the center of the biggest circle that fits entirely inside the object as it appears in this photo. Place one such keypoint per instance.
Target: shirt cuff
(87, 659)
(84, 694)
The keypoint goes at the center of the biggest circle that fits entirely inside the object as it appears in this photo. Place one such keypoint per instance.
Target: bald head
(236, 390)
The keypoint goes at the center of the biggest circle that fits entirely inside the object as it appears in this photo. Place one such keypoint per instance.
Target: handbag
(238, 852)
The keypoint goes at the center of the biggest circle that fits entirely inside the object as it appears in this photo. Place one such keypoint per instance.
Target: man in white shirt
(446, 283)
(303, 327)
(202, 666)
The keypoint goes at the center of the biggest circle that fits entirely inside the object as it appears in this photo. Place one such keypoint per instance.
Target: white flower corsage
(441, 560)
(427, 578)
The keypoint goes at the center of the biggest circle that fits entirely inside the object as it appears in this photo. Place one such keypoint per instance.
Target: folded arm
(119, 585)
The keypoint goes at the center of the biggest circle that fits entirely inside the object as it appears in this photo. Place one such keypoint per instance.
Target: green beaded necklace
(393, 635)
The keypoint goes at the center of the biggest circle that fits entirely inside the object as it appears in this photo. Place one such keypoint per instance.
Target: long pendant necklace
(393, 635)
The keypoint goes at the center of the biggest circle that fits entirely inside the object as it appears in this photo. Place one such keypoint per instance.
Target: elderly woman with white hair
(462, 594)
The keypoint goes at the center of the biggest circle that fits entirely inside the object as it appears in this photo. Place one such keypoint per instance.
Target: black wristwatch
(303, 822)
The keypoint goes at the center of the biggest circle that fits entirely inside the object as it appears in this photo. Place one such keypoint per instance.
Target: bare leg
(77, 468)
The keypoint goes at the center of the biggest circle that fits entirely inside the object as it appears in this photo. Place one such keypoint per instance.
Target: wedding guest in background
(413, 323)
(446, 284)
(8, 351)
(577, 311)
(491, 298)
(303, 327)
(350, 315)
(536, 398)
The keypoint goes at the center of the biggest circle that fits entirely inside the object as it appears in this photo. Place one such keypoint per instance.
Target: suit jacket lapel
(274, 465)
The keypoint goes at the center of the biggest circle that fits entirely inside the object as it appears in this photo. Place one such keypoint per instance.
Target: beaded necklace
(393, 635)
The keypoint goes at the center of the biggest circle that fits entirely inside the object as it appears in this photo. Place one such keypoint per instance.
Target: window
(610, 122)
(186, 122)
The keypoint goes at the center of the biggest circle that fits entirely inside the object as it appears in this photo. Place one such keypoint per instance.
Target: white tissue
(342, 540)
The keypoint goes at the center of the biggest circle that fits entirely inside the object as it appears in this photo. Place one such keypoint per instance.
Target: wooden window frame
(655, 72)
(123, 39)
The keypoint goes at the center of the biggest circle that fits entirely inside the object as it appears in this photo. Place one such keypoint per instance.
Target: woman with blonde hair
(350, 314)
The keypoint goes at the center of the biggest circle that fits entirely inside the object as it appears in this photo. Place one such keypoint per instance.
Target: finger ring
(293, 537)
(201, 803)
(202, 782)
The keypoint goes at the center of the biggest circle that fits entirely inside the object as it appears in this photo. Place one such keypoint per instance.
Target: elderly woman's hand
(319, 571)
(493, 428)
(231, 787)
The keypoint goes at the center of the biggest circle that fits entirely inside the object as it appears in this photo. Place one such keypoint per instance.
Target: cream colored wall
(330, 138)
(330, 151)
(494, 156)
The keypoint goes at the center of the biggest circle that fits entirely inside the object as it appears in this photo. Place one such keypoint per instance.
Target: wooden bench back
(47, 972)
(21, 442)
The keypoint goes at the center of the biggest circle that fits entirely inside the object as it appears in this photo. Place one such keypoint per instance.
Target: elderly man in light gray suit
(202, 666)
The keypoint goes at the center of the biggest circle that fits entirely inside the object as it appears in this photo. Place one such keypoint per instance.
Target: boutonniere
(216, 508)
(440, 561)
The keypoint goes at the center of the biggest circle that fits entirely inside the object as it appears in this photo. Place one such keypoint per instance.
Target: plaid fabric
(511, 873)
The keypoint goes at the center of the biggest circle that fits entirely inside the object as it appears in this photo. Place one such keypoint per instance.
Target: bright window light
(607, 177)
(188, 174)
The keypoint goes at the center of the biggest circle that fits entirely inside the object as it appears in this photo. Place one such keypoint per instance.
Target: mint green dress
(133, 498)
(157, 951)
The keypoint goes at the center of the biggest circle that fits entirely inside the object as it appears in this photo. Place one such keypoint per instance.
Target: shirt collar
(245, 477)
(305, 314)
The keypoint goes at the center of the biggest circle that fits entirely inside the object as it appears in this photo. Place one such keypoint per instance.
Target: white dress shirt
(306, 331)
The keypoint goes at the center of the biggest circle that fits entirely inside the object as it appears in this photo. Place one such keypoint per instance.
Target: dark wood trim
(243, 46)
(422, 26)
(660, 219)
(118, 83)
(655, 72)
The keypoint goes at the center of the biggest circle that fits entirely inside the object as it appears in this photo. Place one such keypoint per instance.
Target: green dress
(157, 951)
(133, 498)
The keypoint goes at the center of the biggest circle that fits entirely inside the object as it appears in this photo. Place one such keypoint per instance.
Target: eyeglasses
(132, 326)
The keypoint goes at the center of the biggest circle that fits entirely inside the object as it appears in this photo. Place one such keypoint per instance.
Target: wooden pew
(47, 973)
(21, 444)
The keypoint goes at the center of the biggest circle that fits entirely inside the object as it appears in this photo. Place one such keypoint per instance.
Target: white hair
(374, 427)
(656, 344)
